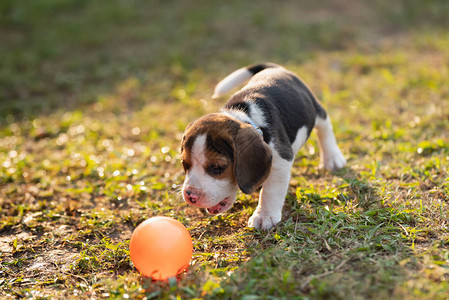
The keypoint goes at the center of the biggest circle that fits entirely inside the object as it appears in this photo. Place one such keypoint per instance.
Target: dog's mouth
(222, 206)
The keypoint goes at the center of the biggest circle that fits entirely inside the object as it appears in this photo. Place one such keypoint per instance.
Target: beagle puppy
(253, 141)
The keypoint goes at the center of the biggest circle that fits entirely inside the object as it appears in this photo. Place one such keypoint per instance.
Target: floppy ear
(252, 159)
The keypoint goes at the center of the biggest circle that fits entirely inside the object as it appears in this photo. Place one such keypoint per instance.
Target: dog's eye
(215, 169)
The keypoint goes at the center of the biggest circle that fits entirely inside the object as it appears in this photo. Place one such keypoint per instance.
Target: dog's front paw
(264, 221)
(333, 160)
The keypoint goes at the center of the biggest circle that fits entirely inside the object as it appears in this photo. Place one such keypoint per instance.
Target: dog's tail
(238, 77)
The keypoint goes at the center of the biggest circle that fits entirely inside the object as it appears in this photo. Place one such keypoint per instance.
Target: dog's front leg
(269, 210)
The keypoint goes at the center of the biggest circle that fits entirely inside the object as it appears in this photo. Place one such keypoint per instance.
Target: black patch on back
(286, 102)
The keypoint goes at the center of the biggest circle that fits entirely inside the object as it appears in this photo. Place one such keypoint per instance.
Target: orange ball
(161, 247)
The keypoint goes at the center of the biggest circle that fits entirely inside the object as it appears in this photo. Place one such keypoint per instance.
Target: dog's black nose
(191, 196)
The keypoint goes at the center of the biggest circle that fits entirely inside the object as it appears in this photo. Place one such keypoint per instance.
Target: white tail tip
(231, 81)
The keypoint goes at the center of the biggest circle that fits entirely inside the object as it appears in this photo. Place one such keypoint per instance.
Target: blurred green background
(64, 53)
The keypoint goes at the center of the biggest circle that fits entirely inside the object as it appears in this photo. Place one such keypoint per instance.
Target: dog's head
(219, 155)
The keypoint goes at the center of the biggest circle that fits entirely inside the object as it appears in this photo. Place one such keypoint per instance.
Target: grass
(94, 98)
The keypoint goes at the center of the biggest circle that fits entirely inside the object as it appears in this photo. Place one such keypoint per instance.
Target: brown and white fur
(252, 142)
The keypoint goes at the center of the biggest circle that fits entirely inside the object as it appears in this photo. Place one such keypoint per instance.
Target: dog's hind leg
(330, 153)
